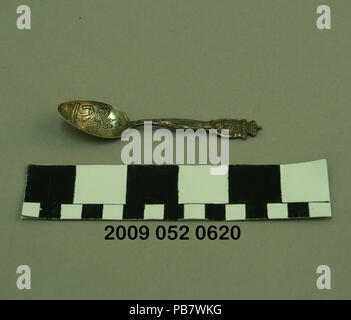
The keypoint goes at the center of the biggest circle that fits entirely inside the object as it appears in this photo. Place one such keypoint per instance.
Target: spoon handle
(173, 123)
(237, 128)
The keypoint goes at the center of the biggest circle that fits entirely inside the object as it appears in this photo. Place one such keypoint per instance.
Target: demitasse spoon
(104, 121)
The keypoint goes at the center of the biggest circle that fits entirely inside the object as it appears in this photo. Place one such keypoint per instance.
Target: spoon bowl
(96, 118)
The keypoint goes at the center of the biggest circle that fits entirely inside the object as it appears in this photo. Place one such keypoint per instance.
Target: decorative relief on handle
(174, 123)
(237, 128)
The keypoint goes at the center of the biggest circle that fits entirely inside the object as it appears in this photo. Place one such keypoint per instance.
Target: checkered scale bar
(177, 192)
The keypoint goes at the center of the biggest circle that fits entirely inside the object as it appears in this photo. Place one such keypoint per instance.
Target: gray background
(262, 60)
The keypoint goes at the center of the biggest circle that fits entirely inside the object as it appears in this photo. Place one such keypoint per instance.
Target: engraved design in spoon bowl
(96, 118)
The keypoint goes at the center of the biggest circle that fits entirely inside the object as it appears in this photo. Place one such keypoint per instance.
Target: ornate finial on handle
(237, 128)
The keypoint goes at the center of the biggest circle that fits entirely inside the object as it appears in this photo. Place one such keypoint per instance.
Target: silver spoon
(102, 120)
